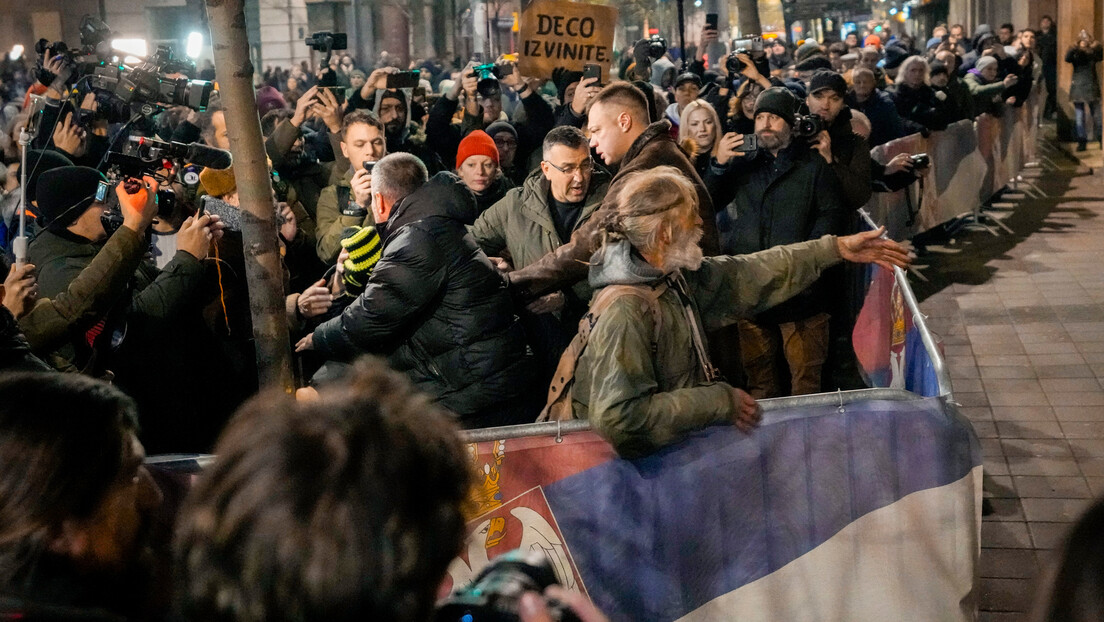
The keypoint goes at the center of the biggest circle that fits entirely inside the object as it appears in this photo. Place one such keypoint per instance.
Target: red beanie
(874, 40)
(476, 143)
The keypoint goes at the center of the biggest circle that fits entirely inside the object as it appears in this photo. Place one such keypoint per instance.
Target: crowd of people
(654, 253)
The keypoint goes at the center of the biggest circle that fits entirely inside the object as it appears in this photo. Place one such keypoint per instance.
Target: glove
(365, 248)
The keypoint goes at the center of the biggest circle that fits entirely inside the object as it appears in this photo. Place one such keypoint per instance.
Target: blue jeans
(1079, 117)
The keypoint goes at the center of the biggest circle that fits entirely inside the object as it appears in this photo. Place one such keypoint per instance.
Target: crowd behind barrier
(971, 161)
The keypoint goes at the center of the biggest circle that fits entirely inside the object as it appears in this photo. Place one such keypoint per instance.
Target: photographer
(1085, 86)
(846, 152)
(782, 193)
(345, 203)
(444, 135)
(393, 107)
(286, 141)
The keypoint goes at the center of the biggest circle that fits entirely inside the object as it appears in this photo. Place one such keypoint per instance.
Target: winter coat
(885, 123)
(850, 161)
(493, 194)
(1085, 86)
(919, 108)
(770, 201)
(521, 223)
(15, 352)
(332, 222)
(988, 96)
(567, 265)
(959, 104)
(152, 302)
(437, 308)
(642, 396)
(307, 177)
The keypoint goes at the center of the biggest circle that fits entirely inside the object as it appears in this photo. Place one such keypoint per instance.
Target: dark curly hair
(345, 508)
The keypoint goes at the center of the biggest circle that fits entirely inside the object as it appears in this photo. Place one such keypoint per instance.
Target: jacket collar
(657, 131)
(536, 198)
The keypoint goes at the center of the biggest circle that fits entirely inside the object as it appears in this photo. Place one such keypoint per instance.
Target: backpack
(559, 404)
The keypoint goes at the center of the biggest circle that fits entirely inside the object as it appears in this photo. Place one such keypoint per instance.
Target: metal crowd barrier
(971, 161)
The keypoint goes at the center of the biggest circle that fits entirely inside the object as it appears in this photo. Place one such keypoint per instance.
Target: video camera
(326, 42)
(141, 156)
(495, 593)
(123, 89)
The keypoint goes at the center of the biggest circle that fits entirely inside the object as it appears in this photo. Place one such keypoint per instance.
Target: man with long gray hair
(639, 368)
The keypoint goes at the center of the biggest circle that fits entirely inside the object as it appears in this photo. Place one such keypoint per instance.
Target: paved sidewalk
(1022, 318)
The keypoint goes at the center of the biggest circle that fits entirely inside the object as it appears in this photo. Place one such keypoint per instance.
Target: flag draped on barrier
(869, 511)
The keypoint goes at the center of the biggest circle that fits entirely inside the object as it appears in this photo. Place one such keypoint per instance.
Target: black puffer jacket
(438, 309)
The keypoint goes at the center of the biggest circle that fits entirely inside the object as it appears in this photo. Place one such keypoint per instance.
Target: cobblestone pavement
(1022, 319)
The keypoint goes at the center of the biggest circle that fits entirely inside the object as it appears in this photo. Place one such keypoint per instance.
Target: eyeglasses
(584, 168)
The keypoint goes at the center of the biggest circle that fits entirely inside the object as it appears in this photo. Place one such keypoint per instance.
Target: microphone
(198, 153)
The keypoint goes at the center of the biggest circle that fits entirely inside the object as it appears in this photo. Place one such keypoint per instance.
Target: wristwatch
(354, 209)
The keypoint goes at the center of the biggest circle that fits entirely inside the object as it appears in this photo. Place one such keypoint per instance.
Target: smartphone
(751, 143)
(230, 216)
(404, 79)
(368, 164)
(591, 70)
(711, 21)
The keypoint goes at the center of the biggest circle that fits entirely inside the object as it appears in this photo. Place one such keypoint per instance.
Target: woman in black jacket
(1085, 87)
(917, 103)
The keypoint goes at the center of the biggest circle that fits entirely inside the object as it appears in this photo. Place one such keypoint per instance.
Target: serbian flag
(887, 343)
(852, 512)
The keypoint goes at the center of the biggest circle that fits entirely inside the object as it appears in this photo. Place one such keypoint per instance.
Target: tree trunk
(263, 270)
(747, 14)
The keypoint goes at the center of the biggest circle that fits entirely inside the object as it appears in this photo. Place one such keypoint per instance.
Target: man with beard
(639, 370)
(844, 150)
(76, 502)
(785, 192)
(393, 109)
(286, 135)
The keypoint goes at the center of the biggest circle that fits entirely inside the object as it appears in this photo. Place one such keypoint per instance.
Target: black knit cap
(778, 100)
(65, 193)
(826, 79)
(38, 162)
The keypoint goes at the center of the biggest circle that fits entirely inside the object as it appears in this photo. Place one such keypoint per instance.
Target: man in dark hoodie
(434, 304)
(623, 138)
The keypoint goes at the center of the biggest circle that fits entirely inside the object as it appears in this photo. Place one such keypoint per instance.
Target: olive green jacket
(642, 396)
(331, 223)
(521, 223)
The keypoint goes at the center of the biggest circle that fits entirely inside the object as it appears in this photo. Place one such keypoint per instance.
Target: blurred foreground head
(347, 507)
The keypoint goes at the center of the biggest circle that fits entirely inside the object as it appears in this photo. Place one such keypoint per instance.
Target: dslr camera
(807, 126)
(489, 74)
(645, 51)
(496, 592)
(920, 161)
(753, 48)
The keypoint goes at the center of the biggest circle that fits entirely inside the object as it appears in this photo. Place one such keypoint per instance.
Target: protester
(643, 387)
(621, 136)
(783, 193)
(1084, 90)
(986, 89)
(76, 502)
(505, 138)
(536, 219)
(344, 204)
(700, 133)
(920, 108)
(957, 90)
(741, 116)
(477, 165)
(433, 303)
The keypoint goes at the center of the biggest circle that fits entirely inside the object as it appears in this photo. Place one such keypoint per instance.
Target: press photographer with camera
(345, 203)
(845, 151)
(286, 145)
(387, 92)
(781, 193)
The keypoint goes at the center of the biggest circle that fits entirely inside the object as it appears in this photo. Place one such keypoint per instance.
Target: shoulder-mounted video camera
(141, 156)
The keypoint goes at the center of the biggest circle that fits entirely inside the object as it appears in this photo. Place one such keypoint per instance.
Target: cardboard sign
(566, 34)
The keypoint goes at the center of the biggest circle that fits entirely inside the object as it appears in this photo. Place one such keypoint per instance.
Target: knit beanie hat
(777, 100)
(476, 143)
(936, 68)
(874, 40)
(894, 56)
(808, 49)
(985, 61)
(269, 99)
(564, 78)
(827, 79)
(218, 182)
(501, 126)
(815, 62)
(365, 248)
(65, 193)
(38, 162)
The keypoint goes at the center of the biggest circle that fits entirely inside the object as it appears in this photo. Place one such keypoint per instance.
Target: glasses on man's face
(585, 167)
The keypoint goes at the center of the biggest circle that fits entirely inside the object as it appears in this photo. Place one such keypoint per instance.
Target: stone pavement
(1022, 319)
